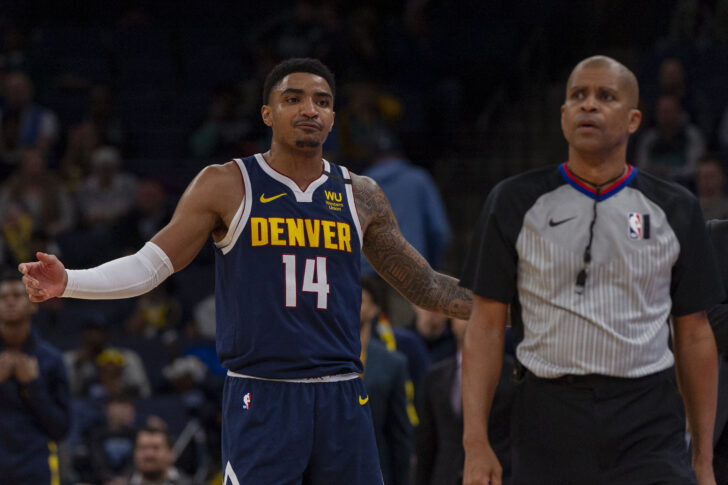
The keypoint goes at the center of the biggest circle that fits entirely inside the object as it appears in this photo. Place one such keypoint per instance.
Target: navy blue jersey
(288, 293)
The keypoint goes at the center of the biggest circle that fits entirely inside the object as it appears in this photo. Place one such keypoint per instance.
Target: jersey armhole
(352, 203)
(240, 219)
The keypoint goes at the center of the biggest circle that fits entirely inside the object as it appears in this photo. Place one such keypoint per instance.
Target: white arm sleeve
(121, 278)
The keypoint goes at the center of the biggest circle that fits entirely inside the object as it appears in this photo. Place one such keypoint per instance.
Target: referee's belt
(597, 380)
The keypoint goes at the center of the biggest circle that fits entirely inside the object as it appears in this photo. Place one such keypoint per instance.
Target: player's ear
(265, 113)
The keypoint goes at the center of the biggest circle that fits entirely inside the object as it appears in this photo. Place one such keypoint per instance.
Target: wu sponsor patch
(334, 200)
(639, 226)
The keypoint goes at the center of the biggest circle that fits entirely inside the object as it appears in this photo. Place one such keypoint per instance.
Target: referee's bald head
(627, 79)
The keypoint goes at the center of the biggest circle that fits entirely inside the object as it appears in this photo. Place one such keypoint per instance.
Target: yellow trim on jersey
(409, 391)
(386, 334)
(53, 463)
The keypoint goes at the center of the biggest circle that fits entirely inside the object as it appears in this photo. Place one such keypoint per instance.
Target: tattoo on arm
(398, 262)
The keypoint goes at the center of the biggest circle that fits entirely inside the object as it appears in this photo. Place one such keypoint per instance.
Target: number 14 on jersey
(314, 280)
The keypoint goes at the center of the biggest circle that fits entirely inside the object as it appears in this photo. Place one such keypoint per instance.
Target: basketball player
(289, 227)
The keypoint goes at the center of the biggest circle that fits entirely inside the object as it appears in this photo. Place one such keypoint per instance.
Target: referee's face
(598, 114)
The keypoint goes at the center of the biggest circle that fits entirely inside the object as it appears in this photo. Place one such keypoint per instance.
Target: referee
(594, 257)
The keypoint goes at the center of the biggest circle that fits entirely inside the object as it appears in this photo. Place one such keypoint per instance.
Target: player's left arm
(398, 262)
(696, 360)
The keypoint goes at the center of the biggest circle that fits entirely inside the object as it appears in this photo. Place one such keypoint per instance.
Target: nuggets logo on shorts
(247, 398)
(635, 225)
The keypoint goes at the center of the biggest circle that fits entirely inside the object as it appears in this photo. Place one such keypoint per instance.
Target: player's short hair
(297, 64)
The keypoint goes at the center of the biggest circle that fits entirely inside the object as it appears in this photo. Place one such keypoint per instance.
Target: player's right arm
(482, 360)
(205, 208)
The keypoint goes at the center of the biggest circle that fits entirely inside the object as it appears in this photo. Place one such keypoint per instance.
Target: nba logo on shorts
(635, 226)
(247, 397)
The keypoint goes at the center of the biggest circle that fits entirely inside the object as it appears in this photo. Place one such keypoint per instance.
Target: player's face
(14, 303)
(300, 111)
(598, 114)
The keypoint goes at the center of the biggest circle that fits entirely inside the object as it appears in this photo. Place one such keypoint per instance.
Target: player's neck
(301, 166)
(596, 169)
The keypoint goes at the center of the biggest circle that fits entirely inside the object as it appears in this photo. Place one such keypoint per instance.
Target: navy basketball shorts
(297, 433)
(593, 429)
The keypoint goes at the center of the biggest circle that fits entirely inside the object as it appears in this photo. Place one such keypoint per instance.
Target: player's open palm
(482, 467)
(45, 278)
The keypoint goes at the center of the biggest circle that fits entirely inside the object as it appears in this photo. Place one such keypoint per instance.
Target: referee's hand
(481, 466)
(45, 278)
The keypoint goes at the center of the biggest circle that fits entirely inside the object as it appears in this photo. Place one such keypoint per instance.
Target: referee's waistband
(590, 380)
(305, 380)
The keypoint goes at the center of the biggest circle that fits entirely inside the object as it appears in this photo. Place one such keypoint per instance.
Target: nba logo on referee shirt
(635, 226)
(247, 398)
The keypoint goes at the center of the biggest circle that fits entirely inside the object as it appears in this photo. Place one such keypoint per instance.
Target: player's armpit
(398, 262)
(206, 207)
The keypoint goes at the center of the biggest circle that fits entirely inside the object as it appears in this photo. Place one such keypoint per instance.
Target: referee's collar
(585, 189)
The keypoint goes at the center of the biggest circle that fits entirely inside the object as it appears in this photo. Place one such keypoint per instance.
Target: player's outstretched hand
(45, 278)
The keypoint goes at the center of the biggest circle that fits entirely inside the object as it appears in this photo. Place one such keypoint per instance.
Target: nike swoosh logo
(265, 199)
(363, 400)
(554, 223)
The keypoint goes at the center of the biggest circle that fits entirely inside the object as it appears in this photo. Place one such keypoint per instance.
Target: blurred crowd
(107, 113)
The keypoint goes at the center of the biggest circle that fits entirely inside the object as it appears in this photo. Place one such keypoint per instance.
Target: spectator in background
(150, 212)
(156, 312)
(38, 191)
(19, 238)
(397, 337)
(672, 80)
(99, 128)
(110, 384)
(723, 132)
(224, 132)
(366, 122)
(34, 408)
(107, 193)
(13, 55)
(434, 330)
(440, 453)
(671, 149)
(203, 319)
(308, 29)
(37, 126)
(110, 446)
(17, 230)
(196, 391)
(154, 459)
(385, 378)
(9, 142)
(710, 187)
(416, 204)
(84, 364)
